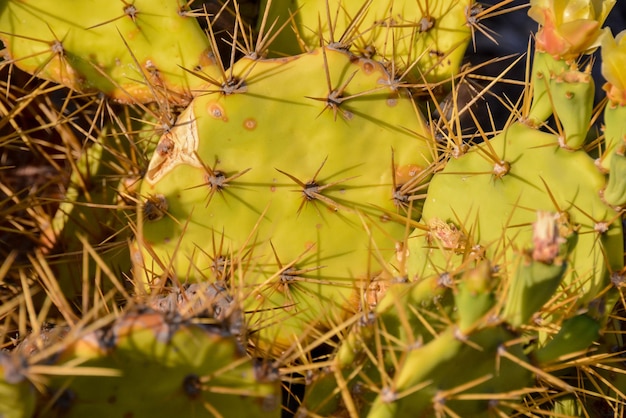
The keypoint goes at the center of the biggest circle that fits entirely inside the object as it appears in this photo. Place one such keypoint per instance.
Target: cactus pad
(425, 38)
(505, 181)
(292, 179)
(110, 46)
(163, 366)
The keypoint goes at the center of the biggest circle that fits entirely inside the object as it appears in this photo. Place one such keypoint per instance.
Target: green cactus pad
(474, 296)
(426, 38)
(165, 367)
(576, 334)
(545, 69)
(572, 94)
(289, 182)
(133, 52)
(439, 378)
(488, 198)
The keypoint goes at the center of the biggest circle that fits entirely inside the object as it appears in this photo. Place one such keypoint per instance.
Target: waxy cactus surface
(297, 226)
(296, 188)
(117, 48)
(423, 40)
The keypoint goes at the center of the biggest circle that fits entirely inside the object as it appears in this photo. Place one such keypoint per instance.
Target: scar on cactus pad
(304, 185)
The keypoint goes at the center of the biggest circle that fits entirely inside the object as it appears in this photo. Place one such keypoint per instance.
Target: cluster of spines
(157, 207)
(193, 368)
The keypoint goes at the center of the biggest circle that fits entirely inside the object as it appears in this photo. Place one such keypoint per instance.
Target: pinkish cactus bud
(569, 27)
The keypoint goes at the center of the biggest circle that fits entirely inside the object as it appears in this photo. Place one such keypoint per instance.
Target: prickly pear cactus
(507, 180)
(525, 169)
(302, 229)
(520, 171)
(290, 179)
(117, 48)
(150, 364)
(402, 358)
(518, 257)
(425, 39)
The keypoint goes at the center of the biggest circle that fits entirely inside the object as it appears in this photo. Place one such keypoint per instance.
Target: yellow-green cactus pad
(294, 186)
(426, 37)
(134, 52)
(484, 204)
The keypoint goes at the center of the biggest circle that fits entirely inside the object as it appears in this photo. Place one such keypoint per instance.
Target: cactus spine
(294, 209)
(306, 218)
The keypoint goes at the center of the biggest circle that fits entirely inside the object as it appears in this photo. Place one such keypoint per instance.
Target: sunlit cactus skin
(301, 222)
(298, 205)
(121, 49)
(503, 205)
(424, 40)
